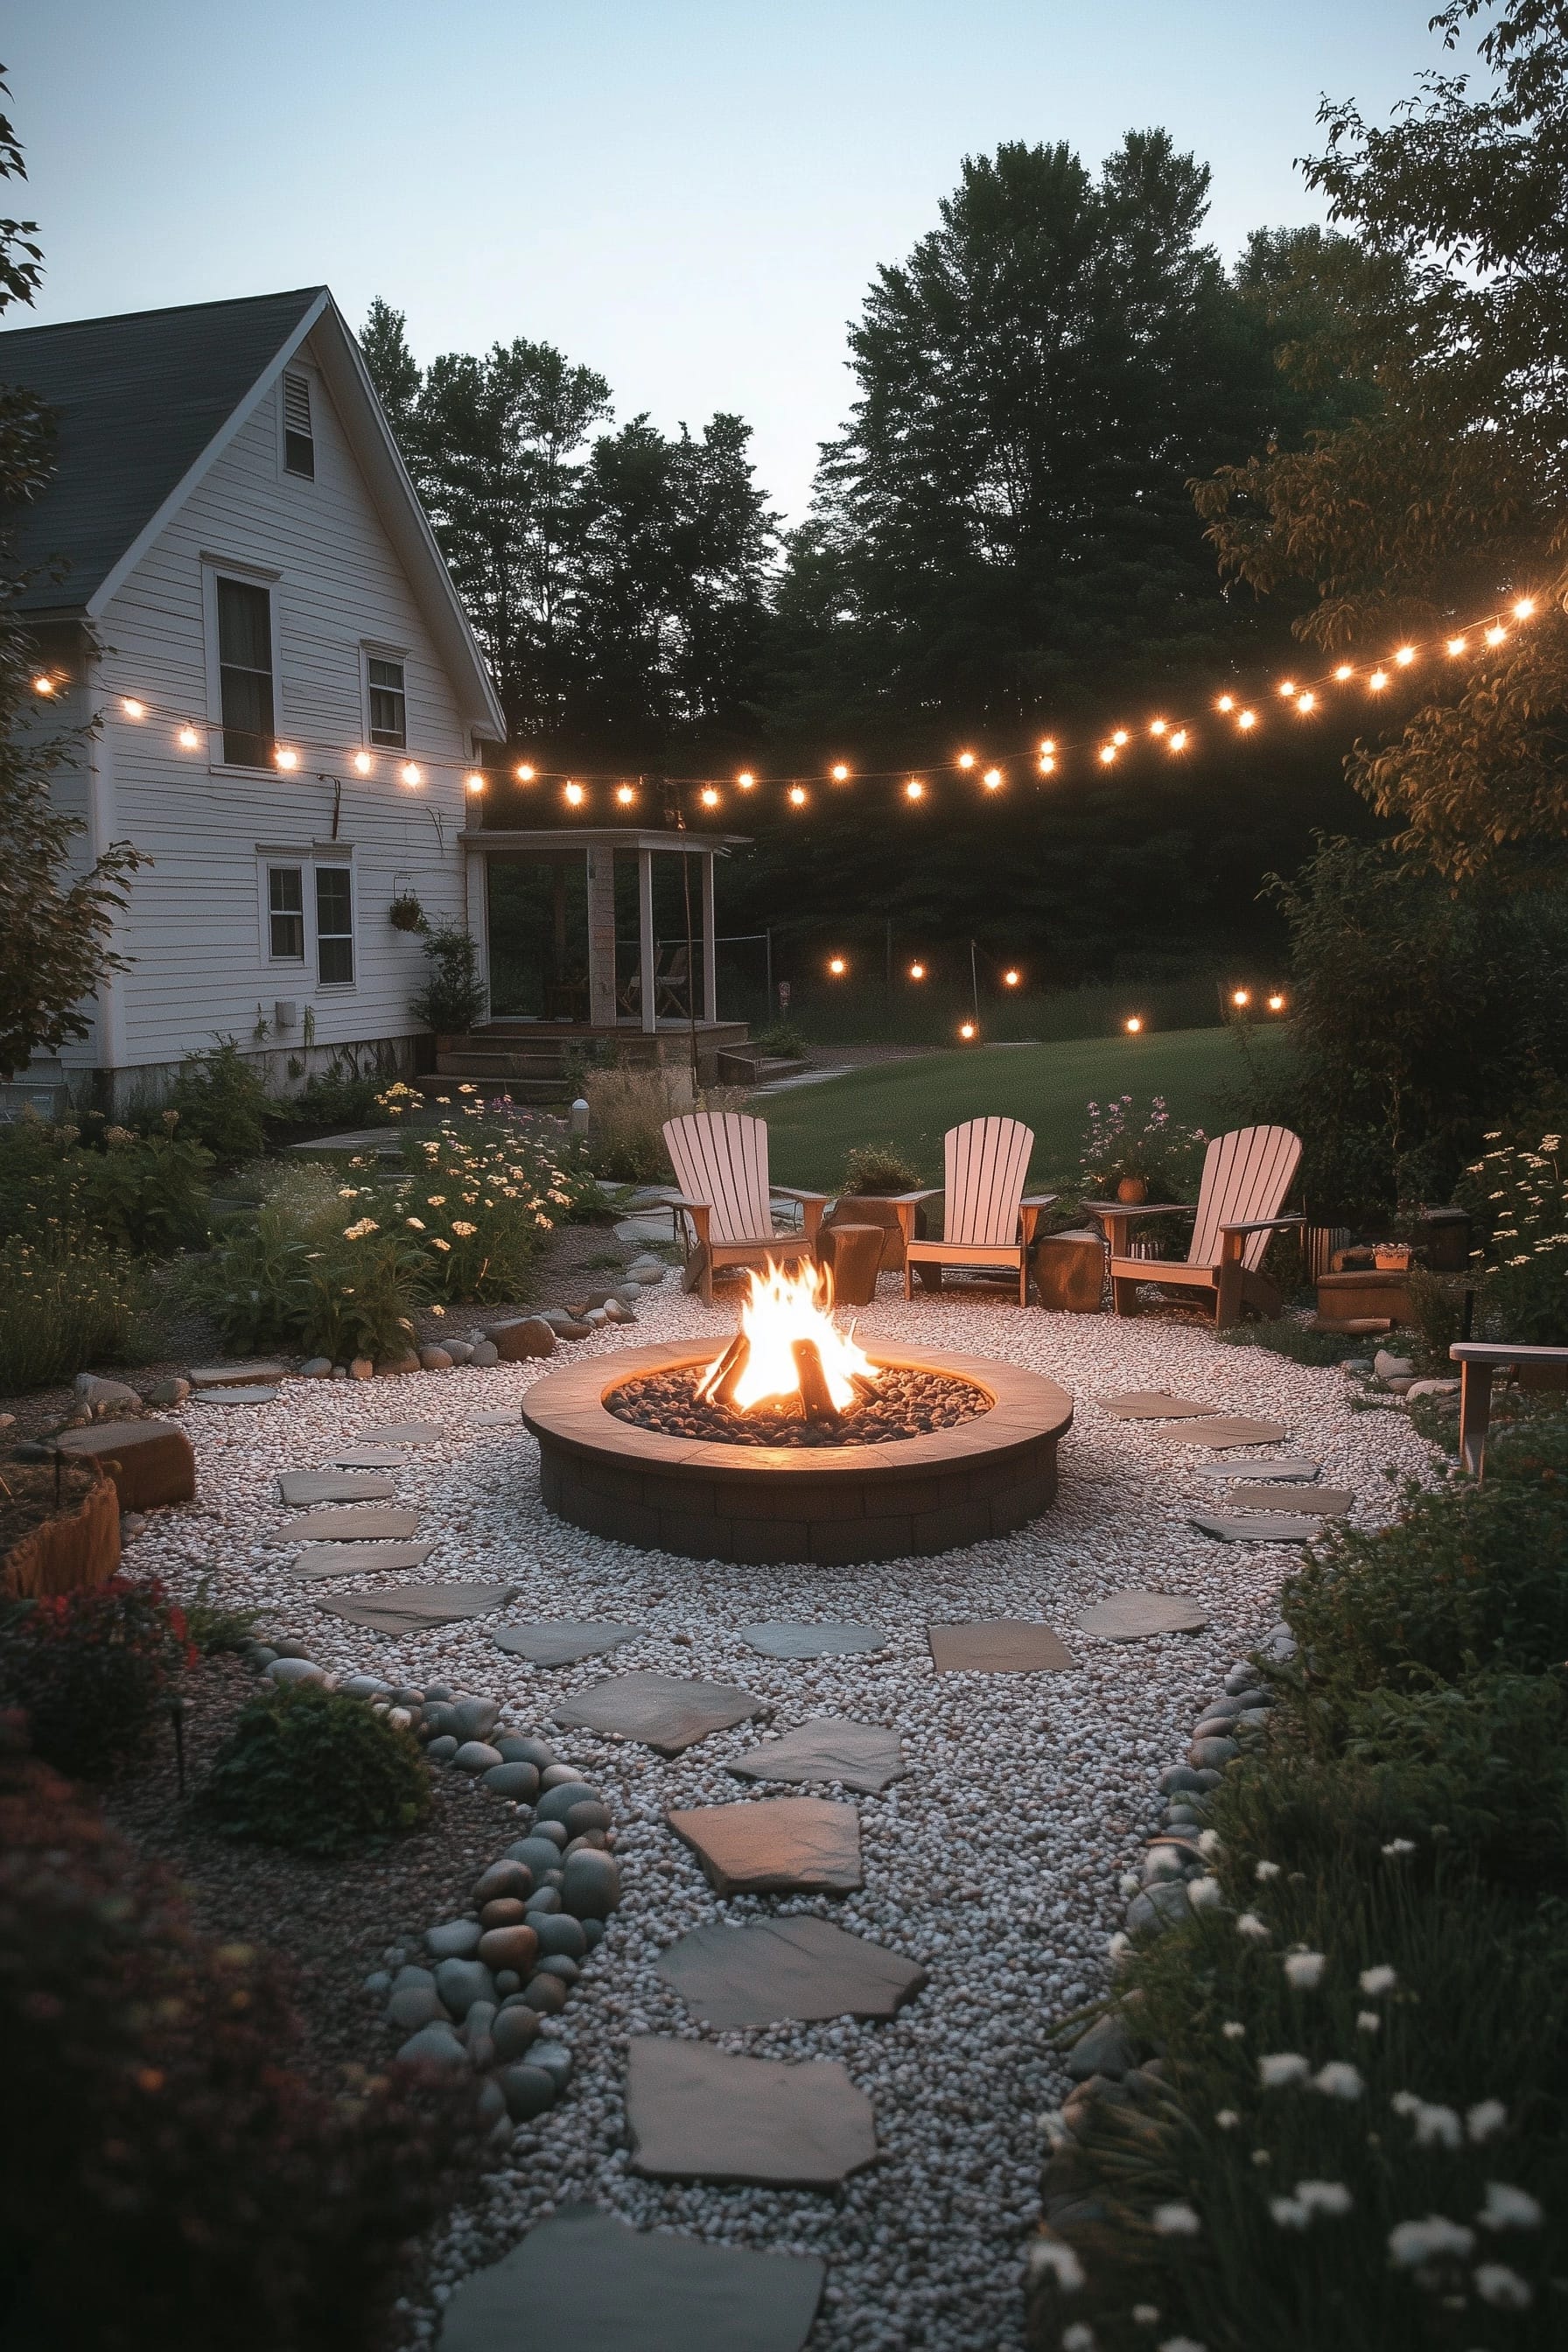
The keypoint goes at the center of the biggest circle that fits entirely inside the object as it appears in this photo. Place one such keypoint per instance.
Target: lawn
(913, 1104)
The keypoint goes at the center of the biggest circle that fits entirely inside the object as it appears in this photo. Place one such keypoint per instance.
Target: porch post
(709, 930)
(477, 912)
(602, 935)
(647, 961)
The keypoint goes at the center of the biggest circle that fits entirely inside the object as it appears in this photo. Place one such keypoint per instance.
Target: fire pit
(795, 1442)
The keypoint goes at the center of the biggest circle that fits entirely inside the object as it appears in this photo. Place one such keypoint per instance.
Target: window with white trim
(245, 673)
(334, 926)
(388, 704)
(286, 914)
(299, 439)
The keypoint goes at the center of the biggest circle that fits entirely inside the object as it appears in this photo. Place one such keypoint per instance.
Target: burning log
(725, 1388)
(866, 1389)
(815, 1393)
(737, 1352)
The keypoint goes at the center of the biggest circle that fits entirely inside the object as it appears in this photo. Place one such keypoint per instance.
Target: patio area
(992, 1864)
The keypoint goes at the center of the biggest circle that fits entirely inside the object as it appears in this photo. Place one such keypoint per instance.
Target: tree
(1449, 496)
(394, 370)
(55, 934)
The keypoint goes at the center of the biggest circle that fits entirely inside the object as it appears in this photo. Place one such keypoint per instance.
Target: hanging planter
(405, 913)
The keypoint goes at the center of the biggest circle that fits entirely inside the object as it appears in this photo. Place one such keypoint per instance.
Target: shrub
(317, 1271)
(453, 996)
(784, 1040)
(872, 1169)
(167, 2176)
(479, 1199)
(1437, 1313)
(148, 1193)
(212, 1627)
(92, 1670)
(222, 1103)
(338, 1098)
(1117, 1143)
(627, 1112)
(1518, 1195)
(61, 1308)
(316, 1772)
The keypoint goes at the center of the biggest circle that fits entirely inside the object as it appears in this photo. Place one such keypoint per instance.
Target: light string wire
(1307, 697)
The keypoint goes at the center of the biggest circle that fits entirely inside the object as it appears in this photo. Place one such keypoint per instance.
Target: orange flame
(785, 1304)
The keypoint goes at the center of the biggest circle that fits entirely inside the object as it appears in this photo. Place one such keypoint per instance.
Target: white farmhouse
(235, 577)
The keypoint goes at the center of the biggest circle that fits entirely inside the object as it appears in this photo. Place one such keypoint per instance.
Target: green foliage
(93, 1671)
(1517, 1198)
(145, 1194)
(213, 1626)
(222, 1103)
(782, 1039)
(1437, 1314)
(1297, 1342)
(61, 1310)
(316, 1772)
(479, 1200)
(313, 1272)
(340, 1096)
(167, 2158)
(878, 1169)
(1117, 1143)
(627, 1112)
(453, 996)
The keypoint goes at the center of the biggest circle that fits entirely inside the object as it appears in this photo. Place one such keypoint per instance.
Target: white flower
(1249, 1923)
(1396, 1847)
(1079, 2337)
(1266, 1870)
(1337, 2080)
(1288, 2213)
(1204, 1894)
(1485, 2120)
(1233, 2030)
(1228, 2120)
(1328, 2197)
(1280, 2068)
(1368, 2022)
(1377, 1980)
(1261, 2156)
(1305, 1970)
(1147, 2314)
(1054, 2255)
(1181, 2343)
(1497, 2285)
(1412, 2243)
(1130, 1882)
(1508, 2207)
(1176, 2220)
(1436, 2126)
(1210, 1843)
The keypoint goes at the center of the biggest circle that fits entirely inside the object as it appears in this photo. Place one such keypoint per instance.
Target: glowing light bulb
(1404, 657)
(966, 1031)
(1226, 702)
(991, 780)
(1248, 718)
(839, 773)
(1179, 741)
(1047, 746)
(1306, 701)
(1343, 672)
(132, 708)
(1456, 645)
(1524, 609)
(409, 772)
(746, 781)
(1277, 1002)
(837, 967)
(525, 774)
(967, 759)
(1108, 755)
(1133, 1024)
(709, 798)
(1048, 764)
(473, 781)
(286, 759)
(1158, 726)
(1010, 978)
(798, 796)
(1495, 634)
(1378, 680)
(575, 795)
(1241, 996)
(625, 795)
(916, 971)
(189, 739)
(1288, 688)
(42, 685)
(1120, 737)
(362, 764)
(914, 790)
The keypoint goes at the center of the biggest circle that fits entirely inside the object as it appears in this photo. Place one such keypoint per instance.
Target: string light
(1241, 997)
(1010, 978)
(967, 1031)
(1307, 700)
(362, 764)
(189, 739)
(132, 708)
(914, 790)
(710, 797)
(525, 774)
(1288, 688)
(410, 773)
(625, 795)
(1133, 1024)
(916, 971)
(1047, 764)
(1225, 703)
(1524, 609)
(798, 796)
(1496, 634)
(840, 774)
(1108, 755)
(1120, 737)
(1047, 746)
(285, 758)
(1378, 680)
(746, 781)
(1248, 719)
(1179, 741)
(473, 781)
(991, 780)
(1344, 672)
(42, 685)
(1404, 657)
(1158, 726)
(575, 795)
(1456, 645)
(967, 759)
(837, 967)
(1277, 1002)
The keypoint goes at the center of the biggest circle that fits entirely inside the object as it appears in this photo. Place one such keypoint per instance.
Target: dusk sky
(690, 195)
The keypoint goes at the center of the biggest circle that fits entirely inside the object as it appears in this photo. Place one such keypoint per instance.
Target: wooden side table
(1477, 1359)
(853, 1256)
(1069, 1272)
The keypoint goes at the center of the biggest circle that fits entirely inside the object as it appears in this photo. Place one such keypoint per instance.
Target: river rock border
(481, 1995)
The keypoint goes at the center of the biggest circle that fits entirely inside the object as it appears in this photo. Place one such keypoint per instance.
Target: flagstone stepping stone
(297, 1488)
(787, 1641)
(511, 1418)
(660, 1710)
(1237, 1432)
(371, 1457)
(1135, 1616)
(562, 1642)
(401, 1433)
(777, 1969)
(1153, 1404)
(414, 1608)
(236, 1396)
(1322, 1502)
(697, 2114)
(1259, 1526)
(236, 1376)
(862, 1756)
(1004, 1645)
(319, 1561)
(1282, 1465)
(348, 1526)
(774, 1844)
(585, 2277)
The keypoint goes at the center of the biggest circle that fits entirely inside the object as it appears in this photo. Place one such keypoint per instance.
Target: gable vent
(299, 441)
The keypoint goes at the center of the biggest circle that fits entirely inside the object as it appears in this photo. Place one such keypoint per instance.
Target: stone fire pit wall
(833, 1504)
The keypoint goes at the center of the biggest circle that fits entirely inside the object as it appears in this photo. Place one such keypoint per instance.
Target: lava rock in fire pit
(906, 1404)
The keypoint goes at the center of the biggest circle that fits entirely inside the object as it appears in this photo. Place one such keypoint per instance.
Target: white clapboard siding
(193, 929)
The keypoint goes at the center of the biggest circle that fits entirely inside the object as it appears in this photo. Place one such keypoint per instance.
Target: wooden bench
(1477, 1359)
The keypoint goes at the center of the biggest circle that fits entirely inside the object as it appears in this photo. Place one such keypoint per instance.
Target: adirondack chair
(721, 1163)
(987, 1220)
(1247, 1175)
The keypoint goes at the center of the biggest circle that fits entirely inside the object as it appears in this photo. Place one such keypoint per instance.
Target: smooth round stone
(546, 1901)
(1208, 1755)
(558, 1932)
(529, 2091)
(1214, 1727)
(536, 1855)
(510, 1947)
(509, 1878)
(555, 1831)
(1254, 1718)
(558, 1964)
(443, 1750)
(557, 1803)
(454, 1939)
(437, 1691)
(517, 1781)
(474, 1756)
(516, 1750)
(435, 2045)
(486, 1352)
(378, 1982)
(506, 1911)
(288, 1671)
(409, 1972)
(460, 1983)
(513, 2030)
(1179, 1776)
(507, 1980)
(545, 1995)
(415, 2005)
(552, 2058)
(590, 1841)
(591, 1813)
(591, 1885)
(408, 1698)
(593, 1931)
(366, 1686)
(555, 1775)
(475, 1718)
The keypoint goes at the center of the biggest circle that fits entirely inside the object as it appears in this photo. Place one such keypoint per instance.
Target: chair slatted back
(1246, 1174)
(721, 1157)
(986, 1162)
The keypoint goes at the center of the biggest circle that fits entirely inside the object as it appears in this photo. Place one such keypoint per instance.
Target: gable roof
(146, 402)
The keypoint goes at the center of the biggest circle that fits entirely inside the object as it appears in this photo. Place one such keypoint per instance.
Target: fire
(785, 1311)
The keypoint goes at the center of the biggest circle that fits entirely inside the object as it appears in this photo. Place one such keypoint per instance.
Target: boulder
(172, 1391)
(98, 1392)
(151, 1462)
(485, 1352)
(435, 1359)
(315, 1368)
(520, 1337)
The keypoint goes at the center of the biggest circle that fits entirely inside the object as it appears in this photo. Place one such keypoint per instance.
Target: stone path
(697, 2114)
(561, 1643)
(813, 1641)
(1135, 1616)
(1003, 1646)
(857, 1755)
(797, 1845)
(665, 1713)
(796, 1967)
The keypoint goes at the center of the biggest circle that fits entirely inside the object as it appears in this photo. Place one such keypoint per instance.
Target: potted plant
(453, 996)
(1138, 1160)
(405, 913)
(873, 1174)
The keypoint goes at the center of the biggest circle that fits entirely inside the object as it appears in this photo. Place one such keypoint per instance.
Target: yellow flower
(417, 1224)
(464, 1232)
(436, 1201)
(437, 1242)
(357, 1233)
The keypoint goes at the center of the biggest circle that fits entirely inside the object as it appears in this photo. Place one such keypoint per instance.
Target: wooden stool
(1069, 1272)
(852, 1255)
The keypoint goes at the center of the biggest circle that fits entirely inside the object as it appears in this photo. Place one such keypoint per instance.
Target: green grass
(912, 1104)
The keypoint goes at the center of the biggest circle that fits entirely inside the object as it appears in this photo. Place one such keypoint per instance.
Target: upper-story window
(245, 673)
(299, 439)
(388, 706)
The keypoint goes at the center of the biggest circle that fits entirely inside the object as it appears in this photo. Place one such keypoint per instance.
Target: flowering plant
(92, 1669)
(1518, 1196)
(1118, 1143)
(478, 1198)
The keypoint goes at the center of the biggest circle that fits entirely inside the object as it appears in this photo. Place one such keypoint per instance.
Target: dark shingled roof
(138, 398)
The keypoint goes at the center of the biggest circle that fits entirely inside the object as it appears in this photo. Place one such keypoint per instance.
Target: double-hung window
(388, 705)
(334, 926)
(286, 914)
(245, 673)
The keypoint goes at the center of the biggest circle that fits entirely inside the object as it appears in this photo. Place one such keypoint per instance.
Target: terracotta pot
(1392, 1258)
(1132, 1189)
(69, 1553)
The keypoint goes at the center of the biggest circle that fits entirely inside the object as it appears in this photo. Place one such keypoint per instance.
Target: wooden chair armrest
(898, 1200)
(1263, 1226)
(1038, 1199)
(1030, 1211)
(1497, 1353)
(680, 1201)
(793, 1192)
(1139, 1208)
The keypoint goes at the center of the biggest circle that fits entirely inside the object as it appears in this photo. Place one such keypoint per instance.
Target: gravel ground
(995, 1863)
